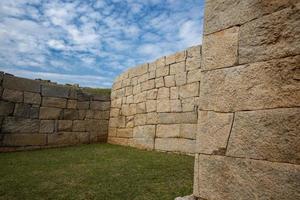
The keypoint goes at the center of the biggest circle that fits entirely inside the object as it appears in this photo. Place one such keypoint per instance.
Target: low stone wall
(37, 114)
(154, 105)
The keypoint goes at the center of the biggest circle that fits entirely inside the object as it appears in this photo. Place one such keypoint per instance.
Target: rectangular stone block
(54, 102)
(21, 84)
(143, 143)
(140, 97)
(159, 82)
(163, 105)
(125, 132)
(175, 145)
(235, 178)
(129, 122)
(112, 132)
(79, 125)
(24, 110)
(174, 93)
(193, 63)
(72, 104)
(47, 126)
(152, 94)
(141, 108)
(194, 52)
(190, 104)
(151, 105)
(117, 103)
(24, 139)
(188, 131)
(12, 95)
(146, 131)
(220, 14)
(266, 134)
(32, 98)
(180, 79)
(99, 114)
(83, 104)
(220, 49)
(194, 76)
(213, 132)
(65, 125)
(274, 36)
(20, 125)
(169, 81)
(175, 105)
(189, 90)
(177, 68)
(116, 122)
(260, 85)
(152, 118)
(163, 93)
(177, 118)
(140, 119)
(100, 105)
(6, 108)
(50, 113)
(55, 91)
(168, 130)
(70, 114)
(162, 71)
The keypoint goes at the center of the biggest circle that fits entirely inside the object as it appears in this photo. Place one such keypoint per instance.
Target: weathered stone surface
(163, 93)
(129, 122)
(125, 132)
(79, 125)
(117, 103)
(213, 132)
(112, 132)
(177, 68)
(120, 141)
(50, 113)
(180, 56)
(6, 108)
(70, 114)
(72, 104)
(152, 118)
(24, 139)
(100, 105)
(151, 106)
(174, 93)
(220, 14)
(99, 114)
(260, 85)
(267, 135)
(188, 131)
(63, 138)
(234, 178)
(141, 107)
(47, 126)
(169, 81)
(162, 71)
(65, 125)
(141, 97)
(140, 119)
(163, 105)
(175, 145)
(180, 79)
(117, 122)
(189, 90)
(159, 82)
(193, 63)
(177, 118)
(175, 105)
(273, 36)
(20, 125)
(83, 104)
(139, 70)
(194, 76)
(170, 59)
(194, 52)
(101, 97)
(220, 49)
(129, 99)
(168, 130)
(189, 197)
(12, 95)
(32, 98)
(142, 78)
(54, 102)
(21, 84)
(81, 114)
(143, 143)
(55, 91)
(146, 131)
(189, 104)
(160, 62)
(114, 112)
(128, 91)
(22, 110)
(152, 94)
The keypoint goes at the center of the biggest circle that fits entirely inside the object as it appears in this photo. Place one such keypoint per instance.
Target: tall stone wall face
(35, 114)
(154, 106)
(248, 138)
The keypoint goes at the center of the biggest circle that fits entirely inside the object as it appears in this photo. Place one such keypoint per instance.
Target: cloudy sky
(90, 42)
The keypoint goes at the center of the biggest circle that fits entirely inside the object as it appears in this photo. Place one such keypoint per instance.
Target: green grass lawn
(98, 171)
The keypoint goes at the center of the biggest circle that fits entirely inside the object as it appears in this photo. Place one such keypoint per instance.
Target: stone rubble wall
(36, 114)
(248, 138)
(154, 105)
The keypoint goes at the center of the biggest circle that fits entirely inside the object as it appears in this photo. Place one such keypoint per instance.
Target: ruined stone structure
(154, 106)
(36, 114)
(234, 103)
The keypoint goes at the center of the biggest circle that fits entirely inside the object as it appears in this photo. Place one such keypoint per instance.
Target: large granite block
(168, 130)
(177, 118)
(54, 102)
(55, 91)
(225, 178)
(32, 98)
(21, 84)
(6, 108)
(12, 95)
(50, 113)
(175, 145)
(20, 125)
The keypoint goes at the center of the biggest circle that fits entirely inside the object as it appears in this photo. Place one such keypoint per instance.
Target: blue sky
(90, 42)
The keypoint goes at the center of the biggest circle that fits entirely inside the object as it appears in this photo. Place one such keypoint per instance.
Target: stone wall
(37, 114)
(154, 106)
(248, 139)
